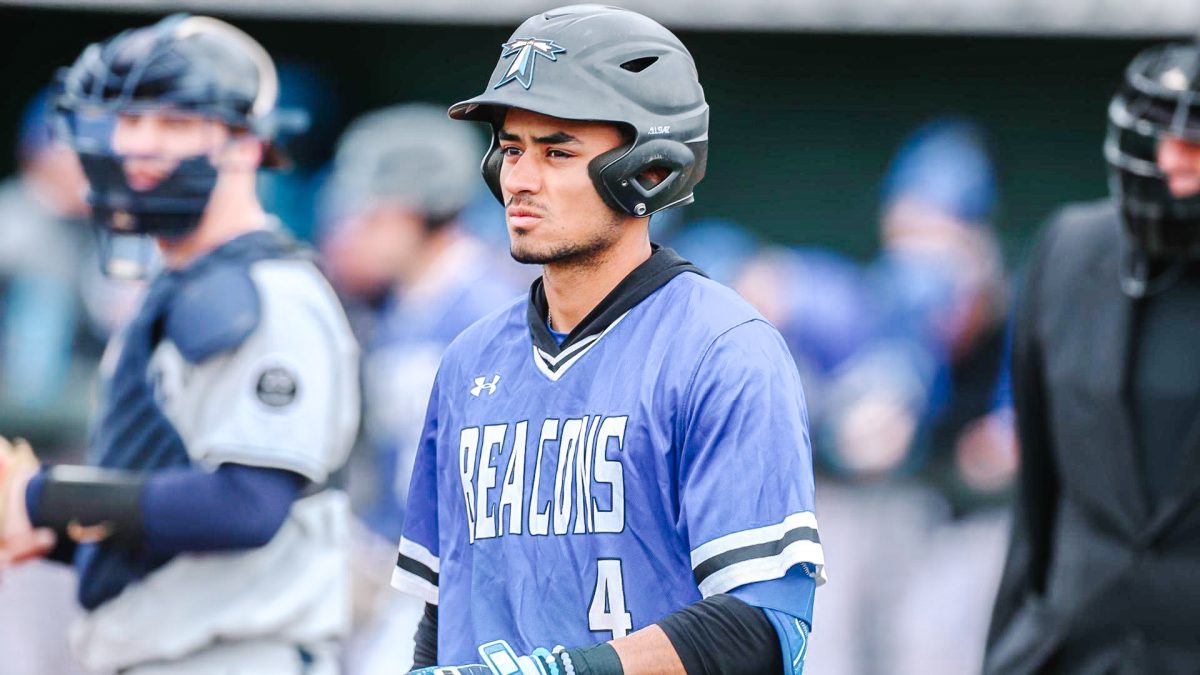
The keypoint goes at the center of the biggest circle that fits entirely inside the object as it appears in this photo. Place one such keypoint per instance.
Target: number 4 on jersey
(607, 611)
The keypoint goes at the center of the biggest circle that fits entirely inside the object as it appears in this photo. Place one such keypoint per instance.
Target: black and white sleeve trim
(759, 554)
(416, 571)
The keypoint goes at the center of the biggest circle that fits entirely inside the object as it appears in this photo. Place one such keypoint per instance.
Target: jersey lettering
(493, 439)
(584, 455)
(468, 449)
(512, 496)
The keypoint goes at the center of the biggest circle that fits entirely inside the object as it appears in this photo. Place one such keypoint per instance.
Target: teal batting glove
(500, 659)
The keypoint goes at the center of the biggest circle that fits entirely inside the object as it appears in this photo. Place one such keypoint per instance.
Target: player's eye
(510, 151)
(177, 123)
(555, 153)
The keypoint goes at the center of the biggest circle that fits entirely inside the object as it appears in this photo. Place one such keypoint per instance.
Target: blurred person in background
(48, 359)
(47, 352)
(208, 530)
(59, 310)
(1101, 575)
(942, 278)
(294, 195)
(396, 249)
(939, 294)
(912, 417)
(722, 248)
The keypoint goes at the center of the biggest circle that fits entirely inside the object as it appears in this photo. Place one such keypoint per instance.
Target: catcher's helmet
(604, 64)
(182, 65)
(1159, 97)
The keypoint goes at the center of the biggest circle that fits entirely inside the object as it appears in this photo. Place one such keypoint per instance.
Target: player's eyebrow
(556, 138)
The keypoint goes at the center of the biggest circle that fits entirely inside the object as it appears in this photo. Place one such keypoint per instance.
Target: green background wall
(802, 124)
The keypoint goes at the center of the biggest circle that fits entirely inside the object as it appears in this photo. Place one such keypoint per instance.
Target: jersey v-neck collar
(552, 358)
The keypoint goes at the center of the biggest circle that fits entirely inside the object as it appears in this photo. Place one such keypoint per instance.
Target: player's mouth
(522, 217)
(145, 175)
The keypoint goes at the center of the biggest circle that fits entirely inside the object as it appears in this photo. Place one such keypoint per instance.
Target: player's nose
(521, 175)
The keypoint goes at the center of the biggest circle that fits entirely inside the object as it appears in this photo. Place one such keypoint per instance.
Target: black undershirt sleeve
(723, 635)
(720, 635)
(425, 652)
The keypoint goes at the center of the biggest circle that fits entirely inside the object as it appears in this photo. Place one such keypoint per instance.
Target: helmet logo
(527, 51)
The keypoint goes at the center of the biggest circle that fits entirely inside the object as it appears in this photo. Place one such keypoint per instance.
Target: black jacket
(1096, 581)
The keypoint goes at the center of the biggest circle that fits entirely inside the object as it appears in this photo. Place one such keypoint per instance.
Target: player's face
(368, 252)
(154, 143)
(553, 211)
(1180, 161)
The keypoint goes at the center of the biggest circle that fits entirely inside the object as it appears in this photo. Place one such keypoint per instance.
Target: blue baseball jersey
(571, 494)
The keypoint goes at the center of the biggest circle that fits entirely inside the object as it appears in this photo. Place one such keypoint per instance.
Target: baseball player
(619, 462)
(207, 533)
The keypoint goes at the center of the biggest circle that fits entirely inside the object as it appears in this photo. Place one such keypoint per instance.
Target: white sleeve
(288, 396)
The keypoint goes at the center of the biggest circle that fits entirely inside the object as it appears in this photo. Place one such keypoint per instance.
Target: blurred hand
(986, 452)
(874, 434)
(35, 543)
(19, 540)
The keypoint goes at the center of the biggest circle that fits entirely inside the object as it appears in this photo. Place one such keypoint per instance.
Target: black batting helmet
(605, 64)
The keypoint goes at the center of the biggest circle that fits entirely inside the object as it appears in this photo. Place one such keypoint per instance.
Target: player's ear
(243, 152)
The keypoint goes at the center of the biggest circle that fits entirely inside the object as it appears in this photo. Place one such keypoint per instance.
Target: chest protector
(206, 309)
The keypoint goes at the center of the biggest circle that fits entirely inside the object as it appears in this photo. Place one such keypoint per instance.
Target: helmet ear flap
(620, 176)
(490, 168)
(597, 169)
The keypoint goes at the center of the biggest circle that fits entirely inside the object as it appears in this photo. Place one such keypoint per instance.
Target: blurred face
(155, 142)
(369, 252)
(946, 271)
(56, 175)
(1180, 161)
(553, 211)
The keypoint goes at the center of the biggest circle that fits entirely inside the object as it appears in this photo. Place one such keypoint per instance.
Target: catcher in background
(1102, 571)
(207, 532)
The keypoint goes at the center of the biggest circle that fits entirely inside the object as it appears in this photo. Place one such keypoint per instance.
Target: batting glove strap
(599, 659)
(500, 659)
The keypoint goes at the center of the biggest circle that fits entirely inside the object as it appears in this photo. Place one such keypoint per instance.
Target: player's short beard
(578, 252)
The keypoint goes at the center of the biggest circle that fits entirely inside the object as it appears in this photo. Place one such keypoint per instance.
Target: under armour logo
(481, 384)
